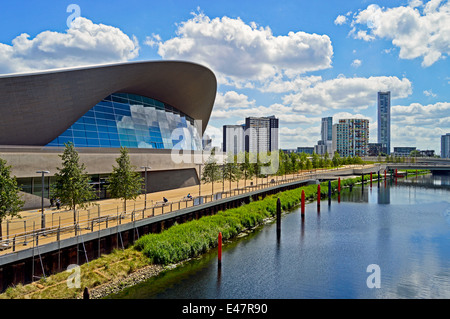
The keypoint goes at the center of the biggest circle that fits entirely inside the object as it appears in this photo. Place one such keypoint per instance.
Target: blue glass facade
(132, 121)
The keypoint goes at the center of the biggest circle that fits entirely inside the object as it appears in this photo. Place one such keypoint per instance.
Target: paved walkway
(20, 232)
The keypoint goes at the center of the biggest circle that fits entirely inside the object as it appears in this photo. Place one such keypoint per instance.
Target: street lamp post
(145, 192)
(199, 179)
(42, 198)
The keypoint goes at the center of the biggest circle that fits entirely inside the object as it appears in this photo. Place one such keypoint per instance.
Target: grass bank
(154, 253)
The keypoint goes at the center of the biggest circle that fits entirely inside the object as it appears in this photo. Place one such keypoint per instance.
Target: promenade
(26, 232)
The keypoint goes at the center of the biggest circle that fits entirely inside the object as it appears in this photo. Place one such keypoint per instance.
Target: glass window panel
(133, 144)
(91, 134)
(100, 108)
(78, 126)
(79, 142)
(107, 116)
(53, 143)
(90, 113)
(90, 127)
(113, 136)
(89, 120)
(114, 143)
(93, 142)
(62, 140)
(101, 122)
(67, 133)
(79, 133)
(103, 135)
(123, 112)
(102, 128)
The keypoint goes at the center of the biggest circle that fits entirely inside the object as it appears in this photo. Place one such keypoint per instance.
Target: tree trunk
(1, 233)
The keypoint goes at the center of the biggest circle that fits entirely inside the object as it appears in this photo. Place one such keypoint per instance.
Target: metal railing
(21, 233)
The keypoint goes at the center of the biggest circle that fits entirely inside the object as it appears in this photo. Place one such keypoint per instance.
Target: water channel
(402, 227)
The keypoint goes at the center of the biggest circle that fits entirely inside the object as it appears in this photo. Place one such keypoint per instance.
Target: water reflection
(405, 229)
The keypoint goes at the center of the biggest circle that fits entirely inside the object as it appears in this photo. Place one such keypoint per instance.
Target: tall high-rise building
(326, 130)
(233, 139)
(351, 137)
(261, 134)
(258, 134)
(384, 121)
(326, 133)
(445, 146)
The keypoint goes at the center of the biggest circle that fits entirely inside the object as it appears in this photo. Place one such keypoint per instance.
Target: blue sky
(298, 60)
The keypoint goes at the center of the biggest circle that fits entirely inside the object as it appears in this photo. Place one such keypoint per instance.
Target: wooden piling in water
(303, 202)
(219, 253)
(278, 216)
(329, 192)
(318, 195)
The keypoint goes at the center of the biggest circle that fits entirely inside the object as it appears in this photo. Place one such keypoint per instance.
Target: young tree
(211, 171)
(230, 169)
(124, 181)
(72, 182)
(10, 202)
(247, 168)
(336, 159)
(308, 164)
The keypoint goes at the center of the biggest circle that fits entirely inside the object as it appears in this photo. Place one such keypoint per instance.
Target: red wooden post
(370, 178)
(395, 173)
(318, 195)
(303, 202)
(339, 185)
(219, 255)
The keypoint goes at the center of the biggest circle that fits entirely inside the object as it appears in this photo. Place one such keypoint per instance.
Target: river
(391, 240)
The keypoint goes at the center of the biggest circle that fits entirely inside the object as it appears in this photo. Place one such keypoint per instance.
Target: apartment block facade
(351, 137)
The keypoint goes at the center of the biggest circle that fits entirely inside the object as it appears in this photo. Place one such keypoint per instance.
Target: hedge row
(190, 239)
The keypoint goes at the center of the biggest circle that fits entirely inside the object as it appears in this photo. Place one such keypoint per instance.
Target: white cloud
(429, 93)
(420, 125)
(418, 34)
(240, 53)
(346, 93)
(415, 3)
(216, 135)
(279, 85)
(153, 40)
(298, 136)
(85, 43)
(346, 115)
(232, 99)
(356, 63)
(437, 114)
(340, 20)
(231, 105)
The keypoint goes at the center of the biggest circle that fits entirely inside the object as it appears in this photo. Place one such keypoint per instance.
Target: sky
(297, 60)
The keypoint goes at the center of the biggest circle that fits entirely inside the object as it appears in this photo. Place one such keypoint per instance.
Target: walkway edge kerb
(99, 234)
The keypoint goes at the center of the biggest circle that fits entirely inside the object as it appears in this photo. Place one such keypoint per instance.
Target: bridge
(434, 167)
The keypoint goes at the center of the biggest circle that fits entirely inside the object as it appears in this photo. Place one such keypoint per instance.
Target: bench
(4, 246)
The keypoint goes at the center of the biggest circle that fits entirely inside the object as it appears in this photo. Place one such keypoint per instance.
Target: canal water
(391, 240)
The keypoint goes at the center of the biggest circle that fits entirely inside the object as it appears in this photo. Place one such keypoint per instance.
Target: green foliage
(124, 181)
(211, 171)
(10, 202)
(190, 239)
(72, 182)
